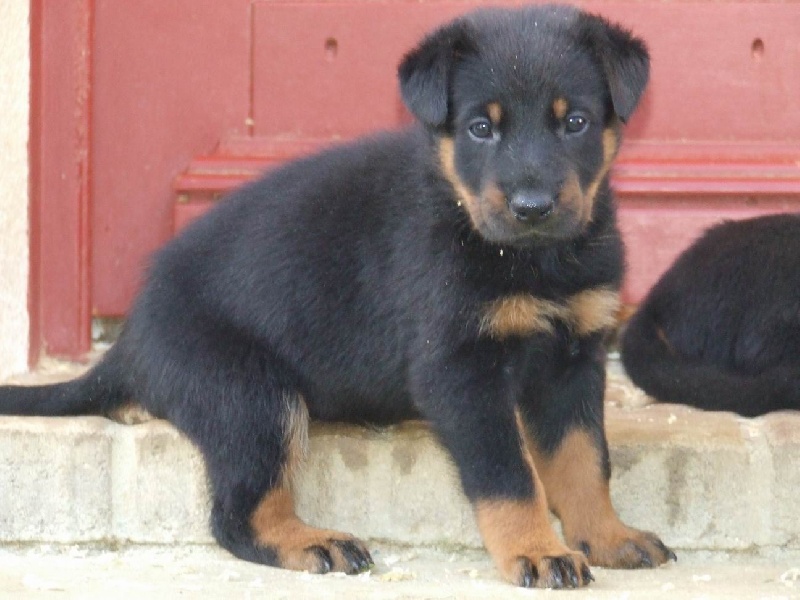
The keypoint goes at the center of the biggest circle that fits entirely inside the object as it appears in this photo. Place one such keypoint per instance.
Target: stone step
(702, 481)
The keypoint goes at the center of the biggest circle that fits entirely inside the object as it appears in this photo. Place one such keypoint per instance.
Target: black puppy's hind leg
(252, 431)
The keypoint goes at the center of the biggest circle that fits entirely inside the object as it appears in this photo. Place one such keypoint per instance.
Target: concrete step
(702, 481)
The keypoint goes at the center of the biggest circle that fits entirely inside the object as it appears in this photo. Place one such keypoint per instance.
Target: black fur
(721, 328)
(358, 279)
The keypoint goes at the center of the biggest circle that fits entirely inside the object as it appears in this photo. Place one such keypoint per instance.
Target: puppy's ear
(426, 72)
(625, 61)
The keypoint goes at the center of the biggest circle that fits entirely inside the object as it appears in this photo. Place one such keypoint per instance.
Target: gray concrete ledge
(702, 481)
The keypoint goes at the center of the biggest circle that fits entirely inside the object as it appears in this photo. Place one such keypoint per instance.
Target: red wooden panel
(721, 71)
(170, 78)
(328, 69)
(60, 169)
(656, 232)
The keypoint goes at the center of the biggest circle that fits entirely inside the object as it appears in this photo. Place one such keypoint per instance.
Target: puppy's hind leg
(253, 512)
(251, 427)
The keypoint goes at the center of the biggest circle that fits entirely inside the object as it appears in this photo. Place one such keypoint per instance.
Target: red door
(145, 112)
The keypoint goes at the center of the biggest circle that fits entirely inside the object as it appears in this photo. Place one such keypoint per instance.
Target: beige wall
(14, 108)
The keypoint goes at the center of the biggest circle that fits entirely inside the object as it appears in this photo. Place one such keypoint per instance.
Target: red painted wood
(655, 232)
(60, 173)
(708, 81)
(170, 79)
(717, 132)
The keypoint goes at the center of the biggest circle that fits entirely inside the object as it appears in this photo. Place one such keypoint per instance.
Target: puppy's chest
(523, 314)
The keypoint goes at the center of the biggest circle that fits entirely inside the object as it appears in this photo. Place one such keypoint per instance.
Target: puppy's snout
(530, 207)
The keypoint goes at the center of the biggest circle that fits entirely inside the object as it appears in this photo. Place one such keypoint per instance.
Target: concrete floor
(206, 572)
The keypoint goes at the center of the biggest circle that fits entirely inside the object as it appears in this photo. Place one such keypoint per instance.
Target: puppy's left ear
(426, 72)
(625, 61)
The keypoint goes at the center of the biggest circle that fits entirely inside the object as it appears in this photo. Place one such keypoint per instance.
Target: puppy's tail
(97, 392)
(660, 371)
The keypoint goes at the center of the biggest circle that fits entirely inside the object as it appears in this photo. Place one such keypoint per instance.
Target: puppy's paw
(339, 554)
(557, 571)
(622, 547)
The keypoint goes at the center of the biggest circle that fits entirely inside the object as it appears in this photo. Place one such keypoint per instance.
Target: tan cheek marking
(581, 203)
(593, 310)
(494, 201)
(610, 146)
(571, 195)
(495, 112)
(560, 108)
(466, 199)
(520, 315)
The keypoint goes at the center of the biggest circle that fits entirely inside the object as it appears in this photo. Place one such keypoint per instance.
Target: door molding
(60, 203)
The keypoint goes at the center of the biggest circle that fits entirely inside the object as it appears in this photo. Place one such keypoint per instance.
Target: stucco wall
(14, 109)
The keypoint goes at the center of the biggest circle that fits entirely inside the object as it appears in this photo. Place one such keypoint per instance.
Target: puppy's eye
(481, 129)
(576, 123)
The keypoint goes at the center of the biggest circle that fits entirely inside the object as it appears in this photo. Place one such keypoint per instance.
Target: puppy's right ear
(425, 73)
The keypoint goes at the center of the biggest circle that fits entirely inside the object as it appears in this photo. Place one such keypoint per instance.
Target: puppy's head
(526, 105)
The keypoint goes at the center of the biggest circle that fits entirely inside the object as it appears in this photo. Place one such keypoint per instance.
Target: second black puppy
(463, 271)
(721, 328)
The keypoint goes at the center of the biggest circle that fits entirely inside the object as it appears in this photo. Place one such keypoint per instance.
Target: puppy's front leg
(564, 424)
(475, 419)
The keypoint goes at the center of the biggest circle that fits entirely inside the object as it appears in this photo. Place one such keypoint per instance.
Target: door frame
(59, 193)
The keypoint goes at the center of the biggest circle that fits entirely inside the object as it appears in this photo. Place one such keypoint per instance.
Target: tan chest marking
(523, 315)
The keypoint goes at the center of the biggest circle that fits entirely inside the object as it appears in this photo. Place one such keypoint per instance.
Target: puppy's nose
(530, 207)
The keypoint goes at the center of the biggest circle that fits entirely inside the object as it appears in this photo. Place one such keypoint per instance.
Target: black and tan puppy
(463, 271)
(721, 328)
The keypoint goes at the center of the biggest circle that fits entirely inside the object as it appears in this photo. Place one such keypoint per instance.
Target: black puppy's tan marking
(578, 493)
(584, 313)
(593, 310)
(560, 107)
(295, 435)
(495, 112)
(300, 547)
(518, 535)
(580, 201)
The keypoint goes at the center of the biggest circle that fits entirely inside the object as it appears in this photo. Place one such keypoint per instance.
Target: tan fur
(571, 196)
(593, 310)
(494, 200)
(495, 112)
(466, 198)
(610, 146)
(523, 315)
(520, 315)
(581, 202)
(578, 493)
(275, 525)
(560, 108)
(130, 414)
(295, 435)
(512, 529)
